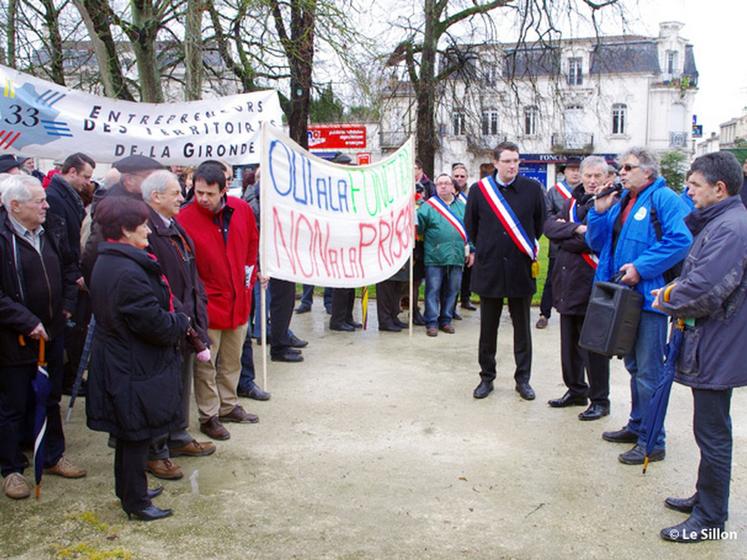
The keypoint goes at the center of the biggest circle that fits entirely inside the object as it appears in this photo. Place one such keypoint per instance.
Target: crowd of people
(160, 269)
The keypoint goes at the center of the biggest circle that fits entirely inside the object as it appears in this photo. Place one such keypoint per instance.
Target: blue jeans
(645, 365)
(307, 296)
(246, 379)
(257, 321)
(436, 276)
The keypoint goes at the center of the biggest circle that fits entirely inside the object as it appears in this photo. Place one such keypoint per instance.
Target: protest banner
(40, 118)
(334, 225)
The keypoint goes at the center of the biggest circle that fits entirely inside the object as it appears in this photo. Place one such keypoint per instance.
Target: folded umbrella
(85, 357)
(364, 307)
(657, 409)
(42, 387)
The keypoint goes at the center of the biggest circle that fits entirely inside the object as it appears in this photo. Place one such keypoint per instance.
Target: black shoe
(457, 316)
(594, 412)
(400, 324)
(390, 328)
(82, 390)
(154, 492)
(151, 513)
(525, 391)
(295, 342)
(620, 436)
(483, 389)
(342, 327)
(635, 455)
(254, 393)
(287, 356)
(468, 306)
(690, 531)
(417, 319)
(685, 505)
(328, 309)
(354, 324)
(303, 308)
(569, 399)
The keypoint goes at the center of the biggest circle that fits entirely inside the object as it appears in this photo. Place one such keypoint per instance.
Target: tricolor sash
(508, 218)
(564, 191)
(463, 197)
(590, 258)
(442, 208)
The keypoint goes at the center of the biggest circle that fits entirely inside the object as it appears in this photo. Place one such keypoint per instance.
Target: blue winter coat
(712, 289)
(637, 242)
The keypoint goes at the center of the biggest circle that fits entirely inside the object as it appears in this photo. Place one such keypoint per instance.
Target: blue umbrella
(657, 408)
(42, 387)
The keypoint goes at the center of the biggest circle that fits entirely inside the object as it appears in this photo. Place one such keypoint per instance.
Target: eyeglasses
(629, 167)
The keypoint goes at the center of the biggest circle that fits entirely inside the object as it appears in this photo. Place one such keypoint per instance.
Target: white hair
(157, 182)
(18, 188)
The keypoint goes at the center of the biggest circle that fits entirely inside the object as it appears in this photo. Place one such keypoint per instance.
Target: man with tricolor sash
(504, 218)
(440, 221)
(572, 279)
(557, 196)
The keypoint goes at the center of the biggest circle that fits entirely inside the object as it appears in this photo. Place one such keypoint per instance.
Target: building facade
(574, 97)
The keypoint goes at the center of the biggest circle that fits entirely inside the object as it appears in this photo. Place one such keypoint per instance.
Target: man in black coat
(35, 281)
(572, 279)
(64, 198)
(506, 261)
(175, 253)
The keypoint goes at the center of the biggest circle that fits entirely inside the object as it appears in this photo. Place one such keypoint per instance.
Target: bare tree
(193, 49)
(11, 34)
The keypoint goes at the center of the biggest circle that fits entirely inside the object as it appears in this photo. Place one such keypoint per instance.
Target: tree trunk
(193, 50)
(426, 90)
(142, 35)
(96, 17)
(11, 34)
(52, 22)
(302, 35)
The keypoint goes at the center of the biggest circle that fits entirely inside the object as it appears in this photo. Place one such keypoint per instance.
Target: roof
(626, 57)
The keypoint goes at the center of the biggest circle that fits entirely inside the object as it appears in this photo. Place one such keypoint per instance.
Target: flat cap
(8, 162)
(136, 163)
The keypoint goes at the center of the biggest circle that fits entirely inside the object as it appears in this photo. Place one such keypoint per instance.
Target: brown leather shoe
(431, 331)
(164, 468)
(240, 416)
(214, 429)
(15, 486)
(194, 449)
(448, 328)
(66, 469)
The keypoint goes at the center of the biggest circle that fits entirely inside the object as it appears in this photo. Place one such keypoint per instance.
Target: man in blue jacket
(640, 237)
(710, 296)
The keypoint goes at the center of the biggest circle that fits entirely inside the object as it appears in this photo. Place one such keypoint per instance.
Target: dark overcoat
(501, 269)
(134, 388)
(572, 275)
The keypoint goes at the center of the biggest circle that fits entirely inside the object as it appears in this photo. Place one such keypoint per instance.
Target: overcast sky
(717, 30)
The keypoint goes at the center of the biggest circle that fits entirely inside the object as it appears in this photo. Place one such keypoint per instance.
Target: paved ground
(374, 448)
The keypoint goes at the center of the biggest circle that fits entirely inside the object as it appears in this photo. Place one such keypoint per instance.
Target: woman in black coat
(133, 385)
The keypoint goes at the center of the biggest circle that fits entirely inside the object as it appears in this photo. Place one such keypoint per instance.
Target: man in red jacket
(226, 242)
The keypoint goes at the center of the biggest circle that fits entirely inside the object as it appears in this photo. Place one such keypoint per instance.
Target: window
(490, 122)
(489, 72)
(531, 116)
(575, 71)
(619, 116)
(458, 124)
(672, 67)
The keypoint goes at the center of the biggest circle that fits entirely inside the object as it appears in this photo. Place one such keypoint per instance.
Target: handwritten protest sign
(334, 225)
(39, 118)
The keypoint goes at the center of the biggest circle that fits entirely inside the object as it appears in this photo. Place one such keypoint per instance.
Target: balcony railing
(392, 138)
(678, 139)
(573, 142)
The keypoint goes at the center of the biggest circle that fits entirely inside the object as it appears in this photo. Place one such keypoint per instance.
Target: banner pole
(264, 162)
(413, 193)
(263, 331)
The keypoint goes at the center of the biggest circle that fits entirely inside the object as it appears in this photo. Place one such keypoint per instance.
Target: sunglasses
(629, 167)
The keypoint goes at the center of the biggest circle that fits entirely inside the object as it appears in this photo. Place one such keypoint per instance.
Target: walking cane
(84, 359)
